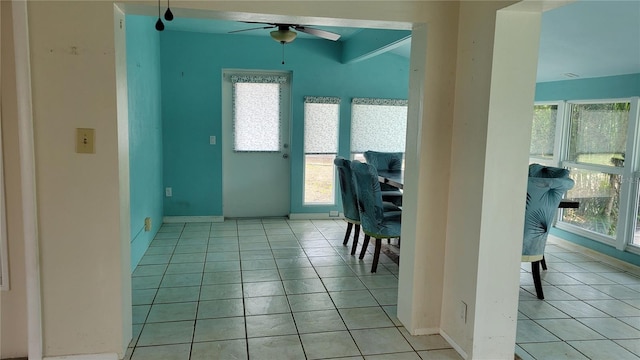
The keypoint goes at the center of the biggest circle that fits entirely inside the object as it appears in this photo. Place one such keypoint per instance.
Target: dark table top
(396, 178)
(393, 178)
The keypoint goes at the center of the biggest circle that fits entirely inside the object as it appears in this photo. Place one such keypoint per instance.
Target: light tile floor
(591, 308)
(283, 289)
(267, 289)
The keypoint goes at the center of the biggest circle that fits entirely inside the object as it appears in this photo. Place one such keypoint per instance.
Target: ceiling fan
(285, 34)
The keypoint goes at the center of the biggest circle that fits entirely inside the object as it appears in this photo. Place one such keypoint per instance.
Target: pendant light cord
(282, 42)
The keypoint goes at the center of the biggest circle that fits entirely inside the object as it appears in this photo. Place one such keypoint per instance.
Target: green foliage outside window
(543, 130)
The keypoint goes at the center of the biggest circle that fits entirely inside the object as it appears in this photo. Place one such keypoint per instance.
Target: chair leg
(535, 271)
(543, 263)
(346, 235)
(376, 255)
(355, 240)
(365, 243)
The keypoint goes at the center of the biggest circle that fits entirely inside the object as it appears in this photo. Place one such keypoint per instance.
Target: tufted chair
(544, 192)
(375, 223)
(386, 161)
(350, 202)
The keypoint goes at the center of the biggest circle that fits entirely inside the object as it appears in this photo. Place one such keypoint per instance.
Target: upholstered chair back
(541, 171)
(384, 160)
(347, 189)
(372, 218)
(543, 197)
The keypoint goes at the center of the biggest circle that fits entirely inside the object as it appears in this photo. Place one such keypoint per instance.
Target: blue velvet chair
(350, 202)
(373, 220)
(391, 161)
(541, 171)
(544, 192)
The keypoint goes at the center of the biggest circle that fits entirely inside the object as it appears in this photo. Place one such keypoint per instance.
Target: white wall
(454, 113)
(73, 82)
(495, 84)
(13, 309)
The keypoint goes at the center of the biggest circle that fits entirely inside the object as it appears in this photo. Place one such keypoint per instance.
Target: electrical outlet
(147, 224)
(212, 140)
(168, 192)
(463, 311)
(334, 213)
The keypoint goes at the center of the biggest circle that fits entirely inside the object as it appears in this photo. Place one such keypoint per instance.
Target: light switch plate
(212, 140)
(85, 141)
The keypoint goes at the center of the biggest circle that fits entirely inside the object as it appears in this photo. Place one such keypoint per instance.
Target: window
(598, 133)
(256, 112)
(543, 132)
(378, 124)
(597, 143)
(321, 119)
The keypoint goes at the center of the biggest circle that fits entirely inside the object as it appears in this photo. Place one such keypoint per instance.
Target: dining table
(396, 178)
(392, 177)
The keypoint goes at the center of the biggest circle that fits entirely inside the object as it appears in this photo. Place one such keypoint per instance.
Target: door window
(321, 120)
(256, 113)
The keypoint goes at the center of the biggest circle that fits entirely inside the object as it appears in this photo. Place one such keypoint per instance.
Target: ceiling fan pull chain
(282, 42)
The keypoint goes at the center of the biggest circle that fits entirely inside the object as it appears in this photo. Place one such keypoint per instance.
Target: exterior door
(255, 129)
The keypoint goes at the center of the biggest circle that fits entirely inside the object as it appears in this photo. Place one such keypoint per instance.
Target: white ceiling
(588, 38)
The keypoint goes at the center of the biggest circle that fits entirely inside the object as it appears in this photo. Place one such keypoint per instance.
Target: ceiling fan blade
(256, 28)
(319, 33)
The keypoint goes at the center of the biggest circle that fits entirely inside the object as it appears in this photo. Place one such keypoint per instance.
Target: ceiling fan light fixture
(283, 36)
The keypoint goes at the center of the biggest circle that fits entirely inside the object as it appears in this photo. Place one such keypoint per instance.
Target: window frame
(376, 102)
(332, 100)
(557, 141)
(257, 79)
(629, 172)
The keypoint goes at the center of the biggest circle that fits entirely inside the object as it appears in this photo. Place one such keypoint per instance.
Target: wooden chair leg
(355, 240)
(543, 263)
(535, 271)
(365, 243)
(376, 255)
(346, 235)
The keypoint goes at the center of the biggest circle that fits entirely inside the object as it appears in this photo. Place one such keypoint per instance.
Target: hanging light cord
(159, 24)
(282, 42)
(168, 15)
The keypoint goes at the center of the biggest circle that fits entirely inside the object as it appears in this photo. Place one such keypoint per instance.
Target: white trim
(191, 219)
(425, 331)
(627, 206)
(4, 250)
(454, 345)
(315, 216)
(27, 174)
(107, 356)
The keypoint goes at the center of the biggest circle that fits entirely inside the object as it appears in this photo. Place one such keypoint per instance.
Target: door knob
(285, 156)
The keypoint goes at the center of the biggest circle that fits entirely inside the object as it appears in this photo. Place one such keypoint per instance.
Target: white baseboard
(426, 331)
(454, 345)
(192, 219)
(108, 356)
(315, 216)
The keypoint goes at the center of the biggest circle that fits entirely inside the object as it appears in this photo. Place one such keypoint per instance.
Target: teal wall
(612, 87)
(595, 88)
(192, 65)
(145, 132)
